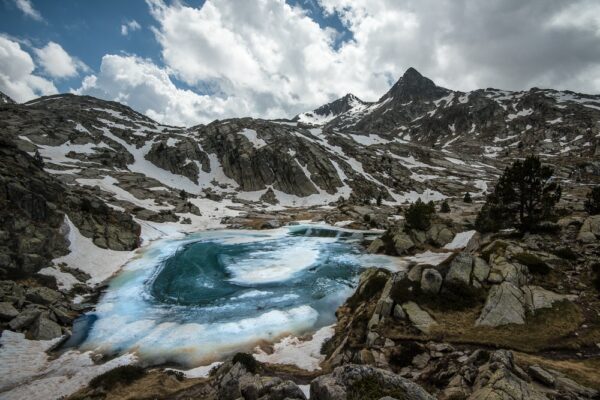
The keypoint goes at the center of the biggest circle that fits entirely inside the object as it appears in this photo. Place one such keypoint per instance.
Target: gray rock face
(541, 375)
(336, 385)
(44, 329)
(439, 235)
(460, 269)
(431, 281)
(43, 295)
(505, 304)
(418, 317)
(7, 311)
(179, 158)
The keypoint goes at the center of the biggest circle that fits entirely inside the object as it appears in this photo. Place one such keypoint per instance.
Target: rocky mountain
(4, 99)
(349, 104)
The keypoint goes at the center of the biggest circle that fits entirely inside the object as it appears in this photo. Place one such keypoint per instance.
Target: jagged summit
(414, 86)
(332, 110)
(5, 99)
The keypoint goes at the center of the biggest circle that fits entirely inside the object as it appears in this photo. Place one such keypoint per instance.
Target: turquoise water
(197, 299)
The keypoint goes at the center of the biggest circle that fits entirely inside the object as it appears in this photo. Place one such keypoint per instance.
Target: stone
(418, 317)
(501, 270)
(504, 305)
(416, 273)
(399, 312)
(402, 243)
(481, 269)
(541, 375)
(43, 295)
(421, 360)
(44, 329)
(254, 387)
(439, 235)
(335, 386)
(23, 320)
(590, 229)
(376, 246)
(7, 311)
(431, 281)
(460, 269)
(537, 297)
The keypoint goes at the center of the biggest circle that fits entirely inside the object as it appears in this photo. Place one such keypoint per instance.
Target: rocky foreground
(496, 316)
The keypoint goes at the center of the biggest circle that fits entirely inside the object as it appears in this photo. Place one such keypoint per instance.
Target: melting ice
(197, 299)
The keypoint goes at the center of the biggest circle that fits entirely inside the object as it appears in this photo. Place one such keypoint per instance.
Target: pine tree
(418, 215)
(467, 198)
(524, 195)
(379, 199)
(183, 194)
(445, 208)
(592, 203)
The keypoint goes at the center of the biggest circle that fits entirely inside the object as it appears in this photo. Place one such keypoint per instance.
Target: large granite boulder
(461, 268)
(590, 230)
(363, 378)
(505, 304)
(431, 281)
(419, 317)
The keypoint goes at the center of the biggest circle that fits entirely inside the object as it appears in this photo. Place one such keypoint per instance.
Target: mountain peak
(414, 86)
(4, 99)
(412, 73)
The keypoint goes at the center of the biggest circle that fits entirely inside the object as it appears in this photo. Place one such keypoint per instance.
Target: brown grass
(548, 329)
(585, 372)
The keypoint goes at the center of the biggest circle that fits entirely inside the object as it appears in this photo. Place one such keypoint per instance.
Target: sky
(193, 61)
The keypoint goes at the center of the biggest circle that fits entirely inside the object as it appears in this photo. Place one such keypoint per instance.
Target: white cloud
(147, 88)
(268, 59)
(130, 26)
(57, 63)
(16, 73)
(27, 9)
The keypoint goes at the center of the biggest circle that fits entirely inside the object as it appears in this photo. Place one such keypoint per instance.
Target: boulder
(537, 297)
(590, 230)
(419, 317)
(541, 375)
(460, 269)
(43, 295)
(501, 379)
(376, 246)
(350, 377)
(399, 312)
(254, 387)
(431, 281)
(23, 320)
(505, 304)
(7, 311)
(481, 269)
(439, 235)
(402, 243)
(44, 329)
(501, 270)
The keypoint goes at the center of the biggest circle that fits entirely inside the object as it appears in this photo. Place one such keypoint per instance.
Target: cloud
(149, 89)
(27, 9)
(130, 26)
(16, 73)
(57, 63)
(270, 59)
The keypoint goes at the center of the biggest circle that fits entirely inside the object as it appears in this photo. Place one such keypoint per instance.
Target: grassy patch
(123, 375)
(550, 328)
(369, 388)
(585, 372)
